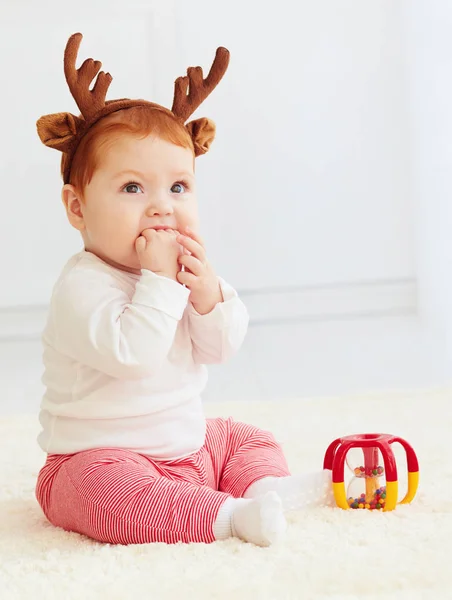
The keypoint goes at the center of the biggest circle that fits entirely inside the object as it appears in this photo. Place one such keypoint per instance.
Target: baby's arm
(98, 325)
(219, 334)
(218, 319)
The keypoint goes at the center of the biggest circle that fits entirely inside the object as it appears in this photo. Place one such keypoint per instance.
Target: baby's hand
(199, 275)
(158, 251)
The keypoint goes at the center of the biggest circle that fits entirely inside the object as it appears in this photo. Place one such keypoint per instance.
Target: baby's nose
(159, 205)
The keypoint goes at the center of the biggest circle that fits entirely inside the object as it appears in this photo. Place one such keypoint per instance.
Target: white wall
(427, 35)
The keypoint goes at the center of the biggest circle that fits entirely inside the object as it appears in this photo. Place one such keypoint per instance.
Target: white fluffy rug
(328, 553)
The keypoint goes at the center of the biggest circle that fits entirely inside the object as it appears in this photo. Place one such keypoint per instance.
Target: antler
(190, 91)
(79, 80)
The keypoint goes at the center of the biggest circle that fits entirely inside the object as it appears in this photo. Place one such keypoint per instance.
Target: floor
(328, 553)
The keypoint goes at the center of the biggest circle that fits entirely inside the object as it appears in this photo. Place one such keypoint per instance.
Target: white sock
(297, 491)
(259, 520)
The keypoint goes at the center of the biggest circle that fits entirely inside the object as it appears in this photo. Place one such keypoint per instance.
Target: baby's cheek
(188, 219)
(187, 215)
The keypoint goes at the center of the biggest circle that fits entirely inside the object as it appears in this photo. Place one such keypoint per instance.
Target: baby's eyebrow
(183, 174)
(129, 172)
(140, 175)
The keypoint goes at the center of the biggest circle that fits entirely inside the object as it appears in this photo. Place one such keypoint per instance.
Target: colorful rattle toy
(375, 495)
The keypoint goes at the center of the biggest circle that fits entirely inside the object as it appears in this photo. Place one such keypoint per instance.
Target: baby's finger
(187, 279)
(140, 244)
(148, 234)
(191, 263)
(192, 246)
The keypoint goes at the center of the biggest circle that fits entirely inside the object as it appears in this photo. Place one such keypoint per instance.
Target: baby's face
(140, 184)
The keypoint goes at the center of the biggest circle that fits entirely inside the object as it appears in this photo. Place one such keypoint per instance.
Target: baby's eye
(132, 188)
(178, 188)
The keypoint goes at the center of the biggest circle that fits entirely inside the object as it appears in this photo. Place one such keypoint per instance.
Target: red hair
(139, 121)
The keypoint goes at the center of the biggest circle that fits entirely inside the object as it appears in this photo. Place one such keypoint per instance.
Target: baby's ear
(202, 132)
(58, 130)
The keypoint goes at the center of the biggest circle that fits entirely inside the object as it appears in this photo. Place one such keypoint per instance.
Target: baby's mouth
(161, 227)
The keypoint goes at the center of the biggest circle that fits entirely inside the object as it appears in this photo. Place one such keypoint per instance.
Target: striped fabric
(122, 497)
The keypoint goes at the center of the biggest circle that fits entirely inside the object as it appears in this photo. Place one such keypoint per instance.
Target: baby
(134, 318)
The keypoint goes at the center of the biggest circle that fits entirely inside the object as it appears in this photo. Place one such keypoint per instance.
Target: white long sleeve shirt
(124, 360)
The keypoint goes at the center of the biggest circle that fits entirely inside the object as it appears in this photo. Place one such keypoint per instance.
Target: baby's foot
(259, 520)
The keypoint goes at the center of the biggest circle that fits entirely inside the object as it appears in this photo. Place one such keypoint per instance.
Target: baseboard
(331, 301)
(22, 322)
(270, 305)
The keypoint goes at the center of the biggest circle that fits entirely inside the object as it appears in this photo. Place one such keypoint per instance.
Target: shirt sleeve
(219, 334)
(97, 323)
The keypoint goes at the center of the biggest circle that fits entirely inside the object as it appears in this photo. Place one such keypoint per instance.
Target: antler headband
(63, 131)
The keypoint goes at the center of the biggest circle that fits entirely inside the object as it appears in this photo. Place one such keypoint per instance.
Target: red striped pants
(122, 497)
